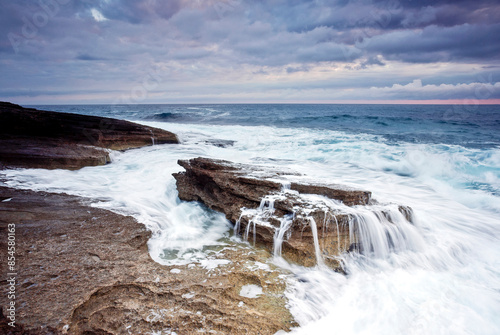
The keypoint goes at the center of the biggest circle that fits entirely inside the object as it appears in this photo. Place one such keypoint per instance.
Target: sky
(242, 51)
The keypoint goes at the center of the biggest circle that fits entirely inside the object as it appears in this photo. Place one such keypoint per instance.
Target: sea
(441, 160)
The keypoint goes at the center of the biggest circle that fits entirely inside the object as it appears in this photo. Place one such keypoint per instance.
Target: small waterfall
(374, 230)
(256, 216)
(237, 225)
(285, 185)
(247, 231)
(152, 137)
(314, 228)
(338, 232)
(279, 235)
(378, 233)
(325, 223)
(267, 204)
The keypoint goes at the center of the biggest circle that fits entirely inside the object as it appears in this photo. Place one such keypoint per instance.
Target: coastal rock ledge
(303, 222)
(32, 138)
(83, 270)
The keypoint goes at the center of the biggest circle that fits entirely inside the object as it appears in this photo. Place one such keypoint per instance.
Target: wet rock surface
(223, 182)
(84, 270)
(305, 223)
(42, 139)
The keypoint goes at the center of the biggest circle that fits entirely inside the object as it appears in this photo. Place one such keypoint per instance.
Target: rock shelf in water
(305, 223)
(33, 138)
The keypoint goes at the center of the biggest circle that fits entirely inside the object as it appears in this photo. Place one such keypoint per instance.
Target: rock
(219, 143)
(84, 270)
(50, 154)
(346, 195)
(42, 139)
(263, 204)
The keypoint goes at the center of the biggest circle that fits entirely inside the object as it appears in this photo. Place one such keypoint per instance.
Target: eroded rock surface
(305, 223)
(84, 270)
(42, 139)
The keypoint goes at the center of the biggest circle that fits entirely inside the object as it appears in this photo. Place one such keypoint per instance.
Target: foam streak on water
(439, 275)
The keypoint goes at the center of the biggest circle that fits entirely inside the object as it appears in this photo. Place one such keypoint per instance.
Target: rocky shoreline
(84, 270)
(31, 138)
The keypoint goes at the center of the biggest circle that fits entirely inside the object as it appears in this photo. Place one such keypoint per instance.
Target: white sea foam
(211, 264)
(251, 291)
(442, 276)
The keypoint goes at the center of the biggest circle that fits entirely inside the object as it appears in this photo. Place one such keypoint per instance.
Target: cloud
(344, 45)
(97, 15)
(139, 12)
(434, 44)
(416, 90)
(294, 69)
(87, 57)
(372, 60)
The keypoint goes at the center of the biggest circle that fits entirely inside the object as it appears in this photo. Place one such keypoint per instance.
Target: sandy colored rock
(84, 270)
(229, 187)
(263, 201)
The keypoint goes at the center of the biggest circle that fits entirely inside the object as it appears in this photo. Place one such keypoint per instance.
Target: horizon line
(308, 102)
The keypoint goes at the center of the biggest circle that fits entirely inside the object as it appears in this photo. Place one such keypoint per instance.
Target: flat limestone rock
(305, 223)
(84, 270)
(42, 139)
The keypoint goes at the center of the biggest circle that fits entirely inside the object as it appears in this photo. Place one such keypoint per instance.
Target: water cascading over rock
(304, 223)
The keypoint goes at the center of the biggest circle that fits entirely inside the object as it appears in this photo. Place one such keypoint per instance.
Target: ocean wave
(165, 116)
(446, 287)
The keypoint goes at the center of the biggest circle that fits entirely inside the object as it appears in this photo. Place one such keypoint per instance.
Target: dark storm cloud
(435, 44)
(384, 14)
(410, 31)
(56, 41)
(276, 31)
